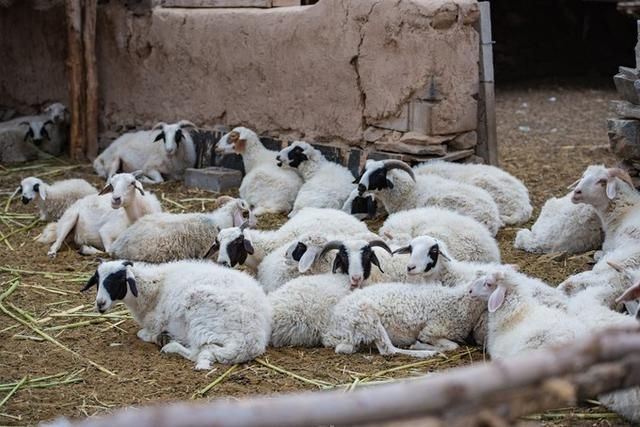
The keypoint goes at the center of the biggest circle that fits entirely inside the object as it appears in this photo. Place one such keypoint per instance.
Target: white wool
(53, 199)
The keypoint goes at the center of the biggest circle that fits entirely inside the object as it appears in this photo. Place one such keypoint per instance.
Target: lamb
(326, 184)
(164, 237)
(267, 188)
(562, 226)
(616, 201)
(396, 186)
(465, 238)
(97, 220)
(239, 245)
(509, 193)
(212, 314)
(16, 146)
(137, 151)
(54, 199)
(429, 318)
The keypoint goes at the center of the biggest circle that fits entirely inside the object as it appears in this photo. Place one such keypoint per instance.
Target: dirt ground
(548, 134)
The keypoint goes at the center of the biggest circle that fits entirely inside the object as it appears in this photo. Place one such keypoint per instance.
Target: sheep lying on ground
(97, 220)
(326, 184)
(394, 183)
(465, 238)
(509, 193)
(562, 226)
(138, 150)
(267, 188)
(54, 199)
(212, 314)
(163, 237)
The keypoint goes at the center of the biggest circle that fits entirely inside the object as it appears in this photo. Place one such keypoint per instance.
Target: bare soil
(548, 134)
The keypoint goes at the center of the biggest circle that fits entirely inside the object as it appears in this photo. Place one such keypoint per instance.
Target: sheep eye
(602, 182)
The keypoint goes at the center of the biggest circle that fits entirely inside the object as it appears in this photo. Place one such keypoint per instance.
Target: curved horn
(24, 123)
(186, 124)
(334, 244)
(48, 122)
(622, 175)
(380, 244)
(158, 125)
(397, 164)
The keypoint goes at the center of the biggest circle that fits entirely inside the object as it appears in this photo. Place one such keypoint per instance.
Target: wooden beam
(487, 147)
(91, 69)
(216, 3)
(76, 81)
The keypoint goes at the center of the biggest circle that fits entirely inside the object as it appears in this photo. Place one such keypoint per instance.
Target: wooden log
(431, 395)
(91, 70)
(76, 81)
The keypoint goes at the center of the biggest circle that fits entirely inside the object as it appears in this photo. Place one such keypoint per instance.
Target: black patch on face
(296, 156)
(116, 284)
(44, 133)
(25, 200)
(369, 257)
(159, 137)
(179, 137)
(29, 134)
(36, 188)
(364, 205)
(237, 251)
(300, 249)
(434, 253)
(378, 180)
(341, 262)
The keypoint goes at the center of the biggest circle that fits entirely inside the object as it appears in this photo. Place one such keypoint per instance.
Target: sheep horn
(107, 189)
(48, 122)
(397, 164)
(622, 175)
(186, 124)
(380, 244)
(334, 244)
(24, 123)
(158, 125)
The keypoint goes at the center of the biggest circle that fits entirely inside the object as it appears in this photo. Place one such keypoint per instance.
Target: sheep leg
(146, 335)
(152, 177)
(426, 342)
(177, 348)
(386, 347)
(89, 250)
(64, 227)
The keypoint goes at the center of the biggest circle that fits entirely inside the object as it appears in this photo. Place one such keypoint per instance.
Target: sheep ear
(131, 281)
(307, 259)
(248, 246)
(403, 250)
(93, 281)
(611, 188)
(375, 261)
(389, 184)
(238, 219)
(138, 187)
(572, 186)
(239, 146)
(336, 264)
(630, 294)
(159, 137)
(496, 299)
(616, 266)
(41, 191)
(107, 189)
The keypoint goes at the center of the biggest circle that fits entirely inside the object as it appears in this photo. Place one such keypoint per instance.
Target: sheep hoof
(203, 365)
(172, 347)
(51, 254)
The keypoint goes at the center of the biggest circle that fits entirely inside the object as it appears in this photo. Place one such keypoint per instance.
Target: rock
(464, 141)
(632, 73)
(372, 134)
(416, 138)
(624, 138)
(418, 150)
(213, 178)
(627, 87)
(625, 110)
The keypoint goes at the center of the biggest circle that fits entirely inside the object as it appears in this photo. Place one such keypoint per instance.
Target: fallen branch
(429, 396)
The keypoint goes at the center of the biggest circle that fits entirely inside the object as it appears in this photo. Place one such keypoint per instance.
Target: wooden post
(487, 147)
(91, 69)
(76, 81)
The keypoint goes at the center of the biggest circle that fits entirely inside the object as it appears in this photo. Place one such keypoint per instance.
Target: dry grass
(58, 356)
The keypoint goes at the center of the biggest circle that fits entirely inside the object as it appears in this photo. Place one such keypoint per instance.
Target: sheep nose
(100, 305)
(37, 141)
(361, 189)
(225, 264)
(356, 280)
(25, 200)
(116, 200)
(577, 191)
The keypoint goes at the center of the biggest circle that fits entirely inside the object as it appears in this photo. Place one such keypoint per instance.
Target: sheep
(163, 237)
(562, 226)
(211, 314)
(16, 146)
(267, 188)
(427, 317)
(54, 199)
(397, 187)
(326, 184)
(134, 151)
(616, 201)
(465, 238)
(238, 245)
(361, 207)
(509, 193)
(97, 220)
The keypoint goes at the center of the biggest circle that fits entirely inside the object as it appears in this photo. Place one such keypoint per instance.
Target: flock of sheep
(429, 281)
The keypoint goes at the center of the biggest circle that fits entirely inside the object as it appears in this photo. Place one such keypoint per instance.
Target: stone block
(625, 110)
(418, 150)
(624, 138)
(417, 138)
(464, 141)
(628, 88)
(372, 133)
(213, 178)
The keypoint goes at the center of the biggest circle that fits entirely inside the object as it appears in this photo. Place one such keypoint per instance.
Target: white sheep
(16, 146)
(394, 183)
(267, 188)
(212, 314)
(53, 199)
(509, 193)
(616, 201)
(135, 151)
(164, 237)
(427, 317)
(235, 243)
(466, 239)
(326, 184)
(562, 226)
(97, 220)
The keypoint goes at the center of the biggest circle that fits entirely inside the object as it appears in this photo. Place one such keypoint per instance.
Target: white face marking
(124, 188)
(420, 258)
(591, 188)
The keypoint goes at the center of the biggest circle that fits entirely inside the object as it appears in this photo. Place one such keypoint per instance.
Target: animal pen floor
(548, 135)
